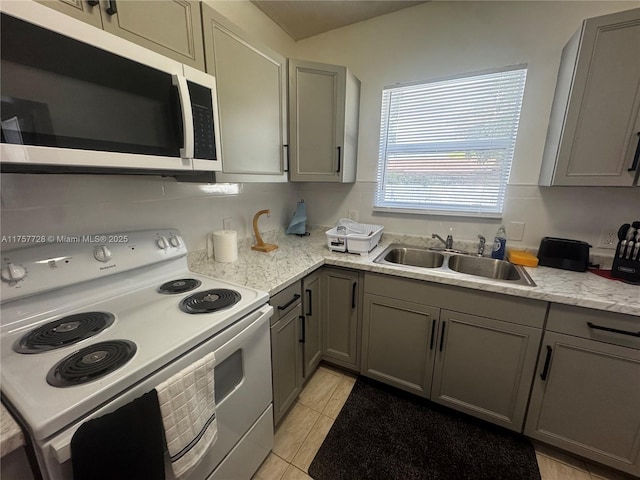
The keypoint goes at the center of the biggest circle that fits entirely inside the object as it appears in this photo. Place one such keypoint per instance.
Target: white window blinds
(446, 146)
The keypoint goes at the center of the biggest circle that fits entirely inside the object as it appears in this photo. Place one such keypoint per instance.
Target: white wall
(440, 39)
(75, 204)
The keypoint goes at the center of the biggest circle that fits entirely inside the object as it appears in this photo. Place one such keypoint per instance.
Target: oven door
(243, 395)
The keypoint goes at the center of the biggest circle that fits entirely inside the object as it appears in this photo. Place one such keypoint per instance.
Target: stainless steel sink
(500, 270)
(484, 267)
(417, 257)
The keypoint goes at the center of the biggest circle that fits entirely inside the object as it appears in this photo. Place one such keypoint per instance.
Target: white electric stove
(91, 323)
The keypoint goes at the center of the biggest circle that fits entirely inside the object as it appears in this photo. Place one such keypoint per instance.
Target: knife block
(625, 268)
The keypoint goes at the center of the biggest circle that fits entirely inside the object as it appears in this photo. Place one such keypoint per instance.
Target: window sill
(443, 213)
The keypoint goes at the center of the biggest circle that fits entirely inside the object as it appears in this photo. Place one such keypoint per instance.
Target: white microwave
(79, 99)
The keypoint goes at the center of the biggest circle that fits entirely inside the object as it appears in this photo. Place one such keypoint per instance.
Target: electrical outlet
(353, 215)
(226, 223)
(515, 231)
(608, 239)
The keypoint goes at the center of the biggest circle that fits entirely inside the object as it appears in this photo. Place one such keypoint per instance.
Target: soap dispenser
(499, 244)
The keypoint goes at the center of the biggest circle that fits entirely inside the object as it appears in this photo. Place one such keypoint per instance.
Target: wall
(77, 204)
(440, 39)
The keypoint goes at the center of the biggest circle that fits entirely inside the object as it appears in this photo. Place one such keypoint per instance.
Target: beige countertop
(298, 256)
(11, 437)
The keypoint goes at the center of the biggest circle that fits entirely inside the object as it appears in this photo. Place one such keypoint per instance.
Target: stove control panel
(71, 260)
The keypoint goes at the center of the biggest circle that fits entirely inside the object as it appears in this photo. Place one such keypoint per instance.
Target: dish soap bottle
(499, 244)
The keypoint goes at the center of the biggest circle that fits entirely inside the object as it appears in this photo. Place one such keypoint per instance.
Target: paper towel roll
(225, 245)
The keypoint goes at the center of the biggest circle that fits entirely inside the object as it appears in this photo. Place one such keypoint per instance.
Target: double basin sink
(397, 254)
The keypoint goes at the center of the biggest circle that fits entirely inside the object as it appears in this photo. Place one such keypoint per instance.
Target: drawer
(285, 301)
(609, 327)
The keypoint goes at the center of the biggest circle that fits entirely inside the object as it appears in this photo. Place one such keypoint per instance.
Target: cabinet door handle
(93, 3)
(353, 295)
(614, 330)
(547, 362)
(636, 157)
(302, 321)
(111, 9)
(433, 333)
(289, 303)
(309, 293)
(286, 146)
(444, 324)
(339, 159)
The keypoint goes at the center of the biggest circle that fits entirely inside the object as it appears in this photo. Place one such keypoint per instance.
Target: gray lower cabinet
(342, 299)
(312, 326)
(286, 349)
(586, 394)
(484, 367)
(172, 28)
(474, 352)
(398, 343)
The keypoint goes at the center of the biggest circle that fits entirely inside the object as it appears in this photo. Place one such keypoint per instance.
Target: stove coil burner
(210, 301)
(65, 331)
(179, 286)
(91, 363)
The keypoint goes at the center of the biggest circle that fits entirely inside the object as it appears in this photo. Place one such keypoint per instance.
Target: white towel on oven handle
(187, 405)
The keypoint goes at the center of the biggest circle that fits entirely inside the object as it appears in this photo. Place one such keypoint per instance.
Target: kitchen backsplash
(76, 204)
(580, 213)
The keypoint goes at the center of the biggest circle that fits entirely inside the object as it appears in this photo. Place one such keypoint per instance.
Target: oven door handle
(61, 445)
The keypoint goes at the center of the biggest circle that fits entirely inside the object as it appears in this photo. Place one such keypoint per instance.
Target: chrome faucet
(481, 245)
(448, 243)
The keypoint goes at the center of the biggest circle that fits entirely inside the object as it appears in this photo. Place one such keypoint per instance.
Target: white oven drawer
(242, 385)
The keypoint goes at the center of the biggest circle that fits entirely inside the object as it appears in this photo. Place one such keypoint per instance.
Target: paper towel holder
(260, 246)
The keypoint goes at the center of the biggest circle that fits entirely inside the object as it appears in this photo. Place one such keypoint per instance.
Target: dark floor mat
(384, 433)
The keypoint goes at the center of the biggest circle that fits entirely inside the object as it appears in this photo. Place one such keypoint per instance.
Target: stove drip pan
(63, 332)
(179, 286)
(91, 363)
(210, 301)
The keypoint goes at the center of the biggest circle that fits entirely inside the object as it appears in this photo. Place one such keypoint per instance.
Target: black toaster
(564, 253)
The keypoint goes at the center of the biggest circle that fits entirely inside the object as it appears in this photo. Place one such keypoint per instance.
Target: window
(446, 146)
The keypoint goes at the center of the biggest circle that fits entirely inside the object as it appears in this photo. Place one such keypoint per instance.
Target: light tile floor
(302, 431)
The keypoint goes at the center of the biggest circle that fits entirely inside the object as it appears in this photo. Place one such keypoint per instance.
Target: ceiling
(305, 18)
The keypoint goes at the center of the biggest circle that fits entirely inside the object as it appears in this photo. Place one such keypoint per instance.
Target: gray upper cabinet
(312, 333)
(252, 102)
(342, 300)
(586, 394)
(484, 367)
(324, 103)
(593, 133)
(79, 9)
(170, 27)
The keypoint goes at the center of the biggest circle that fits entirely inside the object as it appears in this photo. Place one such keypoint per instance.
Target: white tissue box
(354, 242)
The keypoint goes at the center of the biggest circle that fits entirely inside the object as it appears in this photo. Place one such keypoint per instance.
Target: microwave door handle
(187, 115)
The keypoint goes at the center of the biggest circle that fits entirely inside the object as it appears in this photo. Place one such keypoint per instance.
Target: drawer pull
(547, 362)
(353, 295)
(289, 303)
(302, 321)
(444, 324)
(614, 330)
(636, 157)
(111, 7)
(310, 310)
(433, 333)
